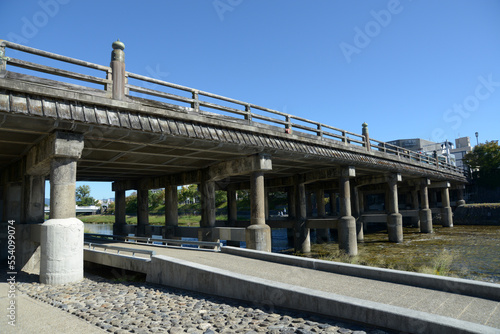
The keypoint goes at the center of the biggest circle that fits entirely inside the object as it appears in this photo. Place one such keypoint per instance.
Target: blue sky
(421, 68)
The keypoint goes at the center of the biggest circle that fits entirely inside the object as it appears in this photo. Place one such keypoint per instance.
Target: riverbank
(477, 214)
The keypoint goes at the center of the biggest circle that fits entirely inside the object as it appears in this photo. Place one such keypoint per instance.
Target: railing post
(3, 60)
(248, 111)
(320, 131)
(364, 132)
(288, 126)
(196, 103)
(118, 70)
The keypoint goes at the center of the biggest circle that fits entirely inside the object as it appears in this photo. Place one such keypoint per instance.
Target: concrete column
(13, 205)
(291, 197)
(322, 234)
(118, 70)
(347, 223)
(171, 212)
(394, 218)
(258, 234)
(34, 199)
(143, 228)
(232, 208)
(425, 213)
(207, 199)
(266, 203)
(309, 204)
(61, 237)
(333, 203)
(120, 225)
(302, 234)
(232, 214)
(356, 212)
(460, 194)
(446, 213)
(415, 220)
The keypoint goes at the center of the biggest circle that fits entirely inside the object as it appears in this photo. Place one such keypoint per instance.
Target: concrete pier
(61, 237)
(322, 234)
(347, 223)
(394, 218)
(425, 213)
(446, 213)
(302, 233)
(171, 213)
(119, 227)
(258, 234)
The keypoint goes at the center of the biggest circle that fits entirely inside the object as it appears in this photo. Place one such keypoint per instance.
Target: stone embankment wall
(477, 214)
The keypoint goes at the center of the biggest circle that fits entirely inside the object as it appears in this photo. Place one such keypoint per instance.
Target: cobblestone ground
(137, 307)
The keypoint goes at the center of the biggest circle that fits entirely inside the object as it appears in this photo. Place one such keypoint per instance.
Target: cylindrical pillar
(62, 188)
(460, 195)
(291, 197)
(208, 217)
(415, 220)
(356, 213)
(446, 213)
(258, 234)
(61, 237)
(120, 225)
(232, 208)
(143, 228)
(302, 233)
(347, 223)
(34, 199)
(425, 213)
(171, 212)
(394, 218)
(322, 234)
(118, 70)
(333, 203)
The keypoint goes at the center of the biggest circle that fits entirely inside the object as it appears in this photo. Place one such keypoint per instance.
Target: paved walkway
(472, 309)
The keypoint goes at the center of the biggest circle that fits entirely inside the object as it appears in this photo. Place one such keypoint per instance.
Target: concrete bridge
(65, 129)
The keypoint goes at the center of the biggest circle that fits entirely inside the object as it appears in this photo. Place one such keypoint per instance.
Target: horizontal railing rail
(119, 249)
(213, 104)
(216, 245)
(105, 82)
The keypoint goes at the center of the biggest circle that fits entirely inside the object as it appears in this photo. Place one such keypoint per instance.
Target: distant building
(453, 155)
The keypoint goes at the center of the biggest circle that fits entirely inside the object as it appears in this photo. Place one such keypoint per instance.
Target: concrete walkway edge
(201, 278)
(461, 286)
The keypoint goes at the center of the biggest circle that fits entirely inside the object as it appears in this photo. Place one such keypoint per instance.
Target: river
(472, 251)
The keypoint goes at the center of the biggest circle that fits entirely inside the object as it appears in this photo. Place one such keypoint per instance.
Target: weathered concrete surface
(61, 258)
(198, 277)
(127, 262)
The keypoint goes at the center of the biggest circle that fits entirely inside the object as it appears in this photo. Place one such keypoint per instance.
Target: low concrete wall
(126, 262)
(264, 293)
(447, 284)
(477, 215)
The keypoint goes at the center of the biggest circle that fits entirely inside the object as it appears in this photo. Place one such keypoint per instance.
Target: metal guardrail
(253, 114)
(157, 241)
(120, 249)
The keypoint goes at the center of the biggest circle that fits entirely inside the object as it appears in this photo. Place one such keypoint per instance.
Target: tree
(83, 197)
(484, 161)
(189, 192)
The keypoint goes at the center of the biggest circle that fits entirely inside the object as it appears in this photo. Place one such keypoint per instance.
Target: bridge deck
(465, 308)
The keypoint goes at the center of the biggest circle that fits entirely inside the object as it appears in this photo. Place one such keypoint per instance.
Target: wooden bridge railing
(208, 104)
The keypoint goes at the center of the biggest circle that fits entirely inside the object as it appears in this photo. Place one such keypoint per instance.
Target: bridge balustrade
(202, 102)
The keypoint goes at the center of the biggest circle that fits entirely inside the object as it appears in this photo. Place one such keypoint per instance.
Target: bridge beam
(347, 223)
(394, 218)
(425, 213)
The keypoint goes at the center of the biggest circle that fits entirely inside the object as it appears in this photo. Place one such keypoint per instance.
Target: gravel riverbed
(138, 307)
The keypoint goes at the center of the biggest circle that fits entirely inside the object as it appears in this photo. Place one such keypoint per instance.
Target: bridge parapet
(117, 85)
